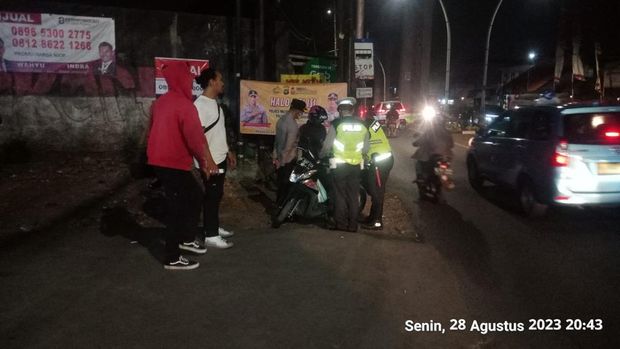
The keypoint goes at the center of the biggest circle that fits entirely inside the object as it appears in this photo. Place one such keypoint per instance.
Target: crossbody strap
(206, 129)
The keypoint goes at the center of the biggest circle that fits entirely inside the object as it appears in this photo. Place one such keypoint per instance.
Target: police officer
(348, 142)
(375, 177)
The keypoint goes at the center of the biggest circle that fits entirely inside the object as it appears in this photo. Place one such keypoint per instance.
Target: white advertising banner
(49, 43)
(195, 67)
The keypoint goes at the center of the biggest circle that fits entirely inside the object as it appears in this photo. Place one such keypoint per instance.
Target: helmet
(347, 101)
(317, 114)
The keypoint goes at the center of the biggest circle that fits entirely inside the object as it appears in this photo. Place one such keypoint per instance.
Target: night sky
(520, 26)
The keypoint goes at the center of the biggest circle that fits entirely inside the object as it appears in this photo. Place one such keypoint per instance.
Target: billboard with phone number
(49, 43)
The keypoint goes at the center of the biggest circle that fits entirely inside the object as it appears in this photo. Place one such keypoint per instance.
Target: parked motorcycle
(435, 176)
(306, 196)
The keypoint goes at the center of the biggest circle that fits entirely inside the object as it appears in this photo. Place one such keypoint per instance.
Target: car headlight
(429, 113)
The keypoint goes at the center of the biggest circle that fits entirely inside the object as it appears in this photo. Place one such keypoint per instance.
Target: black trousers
(183, 208)
(214, 191)
(346, 190)
(376, 192)
(284, 173)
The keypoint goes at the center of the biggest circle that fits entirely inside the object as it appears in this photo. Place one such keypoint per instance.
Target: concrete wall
(94, 113)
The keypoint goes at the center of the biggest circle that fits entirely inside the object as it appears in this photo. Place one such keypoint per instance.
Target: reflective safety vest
(379, 144)
(349, 142)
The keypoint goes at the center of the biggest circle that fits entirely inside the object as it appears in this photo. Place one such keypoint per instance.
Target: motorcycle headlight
(300, 177)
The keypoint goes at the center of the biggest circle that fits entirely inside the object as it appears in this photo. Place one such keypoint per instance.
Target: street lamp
(486, 60)
(384, 81)
(531, 57)
(447, 86)
(332, 13)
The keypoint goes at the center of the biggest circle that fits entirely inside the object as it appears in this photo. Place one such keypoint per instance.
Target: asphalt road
(86, 283)
(511, 268)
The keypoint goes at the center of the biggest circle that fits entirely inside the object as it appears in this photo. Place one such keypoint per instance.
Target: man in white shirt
(213, 123)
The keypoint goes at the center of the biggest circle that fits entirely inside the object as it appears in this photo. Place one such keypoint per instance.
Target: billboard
(49, 43)
(263, 103)
(325, 67)
(195, 65)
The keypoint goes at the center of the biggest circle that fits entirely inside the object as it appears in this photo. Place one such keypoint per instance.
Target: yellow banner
(263, 103)
(301, 78)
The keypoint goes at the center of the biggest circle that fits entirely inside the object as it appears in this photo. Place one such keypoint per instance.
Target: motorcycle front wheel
(285, 212)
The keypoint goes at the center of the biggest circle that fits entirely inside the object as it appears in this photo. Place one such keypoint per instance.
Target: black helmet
(317, 114)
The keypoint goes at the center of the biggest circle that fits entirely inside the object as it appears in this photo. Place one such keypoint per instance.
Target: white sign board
(49, 43)
(363, 92)
(364, 66)
(195, 66)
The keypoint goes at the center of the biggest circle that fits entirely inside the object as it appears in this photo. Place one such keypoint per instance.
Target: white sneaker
(218, 242)
(225, 233)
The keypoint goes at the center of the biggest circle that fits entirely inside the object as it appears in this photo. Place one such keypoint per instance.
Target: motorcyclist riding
(432, 140)
(391, 120)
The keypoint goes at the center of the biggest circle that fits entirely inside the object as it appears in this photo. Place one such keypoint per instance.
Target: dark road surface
(304, 287)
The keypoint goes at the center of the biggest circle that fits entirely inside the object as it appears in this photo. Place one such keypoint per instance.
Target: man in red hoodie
(175, 138)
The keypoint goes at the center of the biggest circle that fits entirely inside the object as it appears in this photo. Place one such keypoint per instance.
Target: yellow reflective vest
(349, 142)
(379, 143)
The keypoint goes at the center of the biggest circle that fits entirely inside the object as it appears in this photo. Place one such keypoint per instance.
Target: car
(381, 109)
(551, 155)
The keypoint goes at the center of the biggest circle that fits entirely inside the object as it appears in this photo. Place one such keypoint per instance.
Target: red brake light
(560, 158)
(612, 134)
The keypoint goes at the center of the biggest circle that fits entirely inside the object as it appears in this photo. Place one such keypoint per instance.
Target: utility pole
(359, 34)
(260, 42)
(334, 12)
(237, 64)
(359, 23)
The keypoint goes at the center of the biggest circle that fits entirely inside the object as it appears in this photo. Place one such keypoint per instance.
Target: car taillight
(560, 157)
(612, 134)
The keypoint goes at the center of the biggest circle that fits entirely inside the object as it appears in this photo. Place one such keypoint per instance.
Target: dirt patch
(35, 193)
(145, 207)
(397, 221)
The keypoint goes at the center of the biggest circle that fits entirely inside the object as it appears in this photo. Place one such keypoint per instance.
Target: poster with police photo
(49, 43)
(263, 103)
